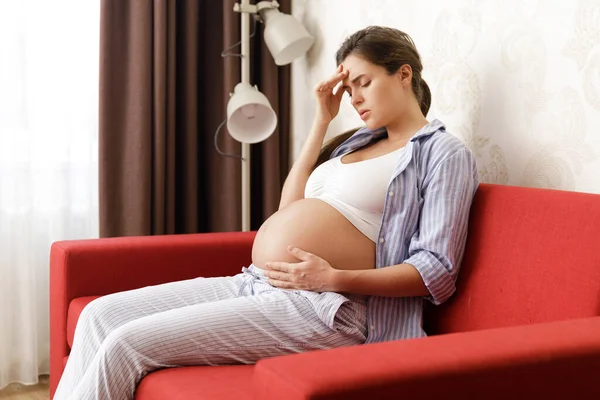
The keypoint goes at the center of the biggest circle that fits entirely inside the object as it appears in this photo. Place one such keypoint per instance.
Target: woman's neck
(406, 125)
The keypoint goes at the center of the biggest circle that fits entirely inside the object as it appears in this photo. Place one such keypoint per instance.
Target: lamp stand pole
(245, 31)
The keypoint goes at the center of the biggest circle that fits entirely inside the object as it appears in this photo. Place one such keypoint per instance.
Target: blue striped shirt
(424, 223)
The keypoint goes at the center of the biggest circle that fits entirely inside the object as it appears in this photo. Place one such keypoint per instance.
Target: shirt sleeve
(437, 247)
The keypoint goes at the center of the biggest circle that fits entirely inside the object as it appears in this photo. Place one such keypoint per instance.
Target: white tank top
(357, 190)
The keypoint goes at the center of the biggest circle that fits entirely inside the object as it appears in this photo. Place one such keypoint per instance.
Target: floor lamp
(250, 117)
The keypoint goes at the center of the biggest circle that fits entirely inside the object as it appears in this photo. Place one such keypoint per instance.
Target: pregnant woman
(369, 226)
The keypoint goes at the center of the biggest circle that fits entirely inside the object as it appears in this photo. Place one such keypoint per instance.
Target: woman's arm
(395, 281)
(314, 273)
(328, 105)
(293, 188)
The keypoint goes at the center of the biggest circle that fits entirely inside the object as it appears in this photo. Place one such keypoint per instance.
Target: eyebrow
(353, 81)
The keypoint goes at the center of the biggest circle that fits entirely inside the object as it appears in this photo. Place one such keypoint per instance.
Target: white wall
(517, 80)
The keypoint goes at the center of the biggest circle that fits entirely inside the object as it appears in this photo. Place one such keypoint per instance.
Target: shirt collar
(364, 136)
(427, 130)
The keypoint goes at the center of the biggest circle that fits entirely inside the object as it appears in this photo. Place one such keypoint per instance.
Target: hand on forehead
(355, 66)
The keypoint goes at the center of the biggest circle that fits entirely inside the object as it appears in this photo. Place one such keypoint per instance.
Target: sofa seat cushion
(75, 309)
(198, 383)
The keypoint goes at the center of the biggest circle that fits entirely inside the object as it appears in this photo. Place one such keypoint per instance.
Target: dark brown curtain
(163, 92)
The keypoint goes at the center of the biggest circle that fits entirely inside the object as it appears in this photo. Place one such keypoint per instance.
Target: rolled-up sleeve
(437, 247)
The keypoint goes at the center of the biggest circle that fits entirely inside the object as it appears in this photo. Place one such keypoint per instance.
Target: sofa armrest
(549, 360)
(96, 267)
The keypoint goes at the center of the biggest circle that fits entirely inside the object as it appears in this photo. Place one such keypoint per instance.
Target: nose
(357, 99)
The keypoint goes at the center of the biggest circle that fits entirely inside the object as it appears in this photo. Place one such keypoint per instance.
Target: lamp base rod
(246, 187)
(245, 32)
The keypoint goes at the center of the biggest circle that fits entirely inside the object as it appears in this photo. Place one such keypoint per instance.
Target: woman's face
(379, 98)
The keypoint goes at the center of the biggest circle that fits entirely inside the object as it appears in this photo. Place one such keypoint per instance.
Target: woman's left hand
(311, 273)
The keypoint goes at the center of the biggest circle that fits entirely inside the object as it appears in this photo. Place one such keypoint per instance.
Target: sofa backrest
(532, 255)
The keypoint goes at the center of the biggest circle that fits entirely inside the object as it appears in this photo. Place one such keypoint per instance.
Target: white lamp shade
(250, 118)
(285, 36)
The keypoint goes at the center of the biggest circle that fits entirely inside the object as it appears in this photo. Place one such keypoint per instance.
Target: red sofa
(524, 323)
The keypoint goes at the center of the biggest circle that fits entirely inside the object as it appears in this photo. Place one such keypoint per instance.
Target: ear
(405, 74)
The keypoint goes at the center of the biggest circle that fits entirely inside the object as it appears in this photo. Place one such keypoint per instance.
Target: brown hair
(391, 49)
(331, 145)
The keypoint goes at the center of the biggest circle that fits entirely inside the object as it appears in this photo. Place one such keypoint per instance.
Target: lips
(364, 114)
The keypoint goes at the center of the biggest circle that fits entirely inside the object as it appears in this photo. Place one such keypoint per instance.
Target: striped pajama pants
(121, 337)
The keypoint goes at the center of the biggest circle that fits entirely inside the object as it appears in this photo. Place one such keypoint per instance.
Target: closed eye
(350, 92)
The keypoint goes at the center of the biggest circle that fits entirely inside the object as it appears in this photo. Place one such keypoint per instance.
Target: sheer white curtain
(48, 162)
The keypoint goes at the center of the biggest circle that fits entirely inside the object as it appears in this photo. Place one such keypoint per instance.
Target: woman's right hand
(328, 101)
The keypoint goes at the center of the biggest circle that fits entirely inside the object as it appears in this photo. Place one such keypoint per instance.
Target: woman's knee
(118, 342)
(130, 346)
(99, 316)
(137, 335)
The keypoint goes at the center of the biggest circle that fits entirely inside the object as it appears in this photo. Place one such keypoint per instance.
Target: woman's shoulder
(443, 144)
(443, 147)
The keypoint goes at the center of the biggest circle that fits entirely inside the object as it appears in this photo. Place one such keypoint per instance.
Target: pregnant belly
(314, 226)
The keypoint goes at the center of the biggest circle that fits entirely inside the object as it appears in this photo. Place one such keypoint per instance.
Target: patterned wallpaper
(517, 80)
